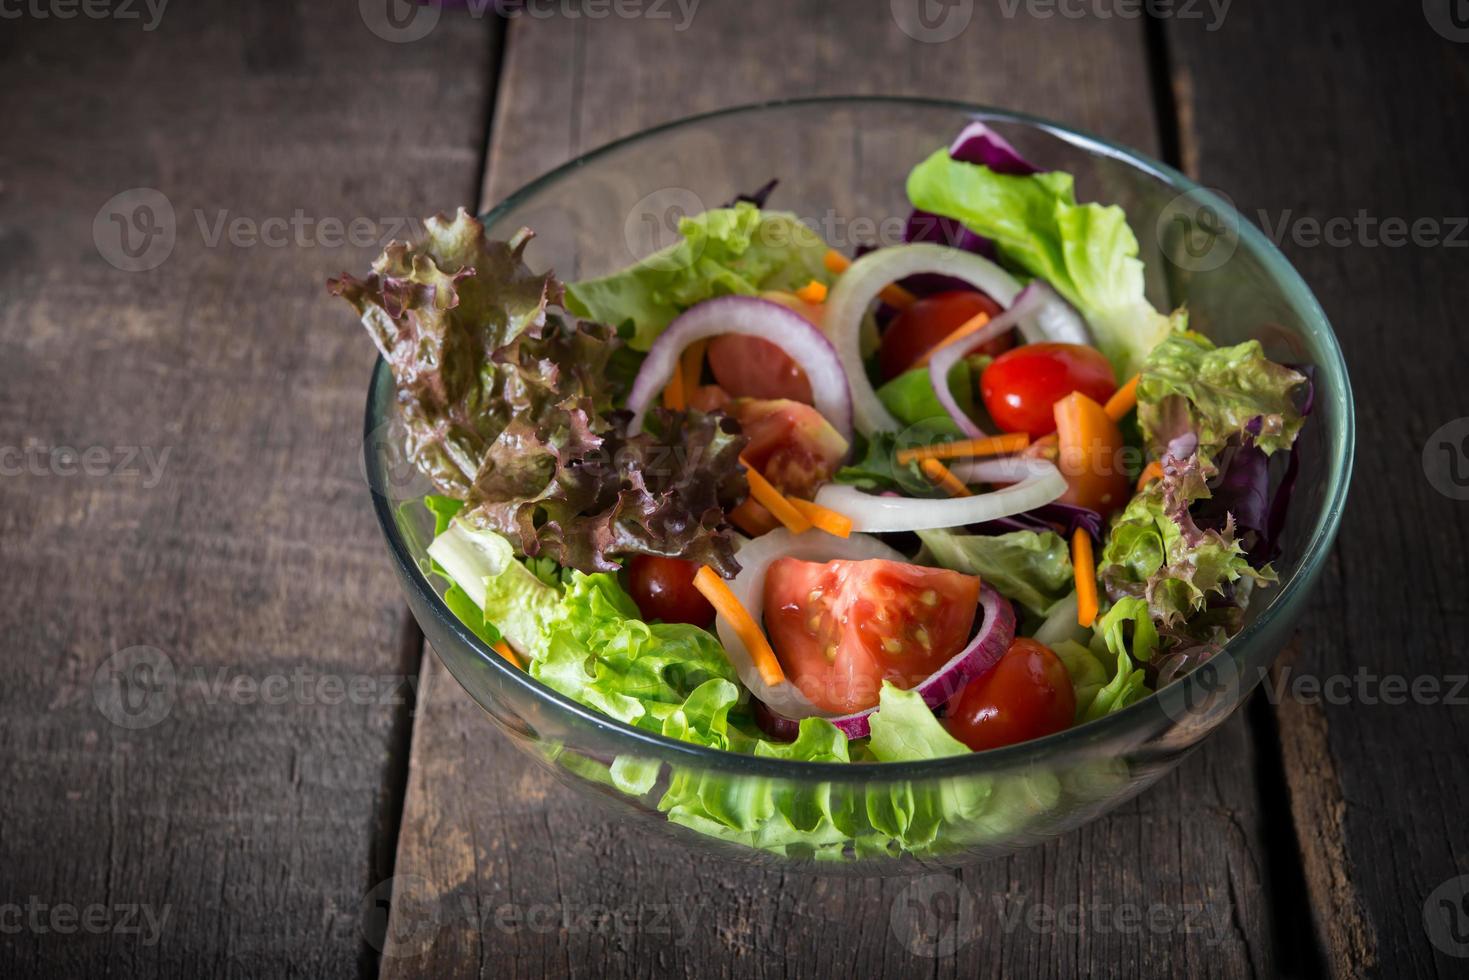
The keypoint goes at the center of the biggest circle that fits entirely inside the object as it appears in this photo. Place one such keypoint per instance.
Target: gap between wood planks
(411, 643)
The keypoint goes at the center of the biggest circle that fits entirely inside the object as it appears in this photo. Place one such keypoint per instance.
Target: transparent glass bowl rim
(1073, 741)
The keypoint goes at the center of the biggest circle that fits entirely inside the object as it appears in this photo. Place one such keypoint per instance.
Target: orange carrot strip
(939, 473)
(691, 366)
(674, 397)
(1153, 471)
(774, 501)
(727, 605)
(813, 292)
(972, 325)
(893, 295)
(503, 649)
(1123, 400)
(1010, 442)
(823, 518)
(1085, 569)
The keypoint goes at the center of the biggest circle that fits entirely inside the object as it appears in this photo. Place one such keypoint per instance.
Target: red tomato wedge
(748, 367)
(792, 445)
(927, 323)
(843, 627)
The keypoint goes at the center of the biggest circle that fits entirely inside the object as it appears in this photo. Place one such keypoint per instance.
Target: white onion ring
(856, 288)
(748, 586)
(942, 360)
(749, 316)
(1037, 482)
(979, 656)
(1053, 320)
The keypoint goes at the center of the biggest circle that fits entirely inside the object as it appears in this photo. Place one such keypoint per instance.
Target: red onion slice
(752, 317)
(942, 361)
(855, 290)
(748, 586)
(978, 658)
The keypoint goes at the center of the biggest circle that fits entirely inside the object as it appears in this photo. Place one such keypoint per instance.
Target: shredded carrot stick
(1123, 400)
(1084, 566)
(813, 292)
(1010, 442)
(970, 326)
(727, 605)
(774, 501)
(823, 518)
(939, 473)
(674, 397)
(893, 295)
(691, 366)
(503, 649)
(1153, 471)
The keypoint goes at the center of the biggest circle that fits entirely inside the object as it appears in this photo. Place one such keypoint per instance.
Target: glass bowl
(842, 165)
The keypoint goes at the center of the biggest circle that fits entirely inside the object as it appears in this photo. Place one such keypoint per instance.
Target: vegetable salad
(756, 495)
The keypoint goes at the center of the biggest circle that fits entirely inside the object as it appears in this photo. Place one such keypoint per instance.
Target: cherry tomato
(1021, 385)
(924, 325)
(792, 445)
(748, 367)
(1026, 696)
(664, 589)
(843, 627)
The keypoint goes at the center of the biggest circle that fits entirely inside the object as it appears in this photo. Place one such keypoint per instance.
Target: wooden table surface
(179, 409)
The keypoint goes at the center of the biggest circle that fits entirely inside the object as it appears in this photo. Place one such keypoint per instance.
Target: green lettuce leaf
(1129, 682)
(728, 251)
(875, 469)
(1033, 568)
(1188, 384)
(1086, 252)
(597, 651)
(1156, 552)
(1088, 676)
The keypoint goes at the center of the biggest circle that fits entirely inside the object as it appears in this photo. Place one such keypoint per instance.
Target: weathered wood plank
(1323, 157)
(251, 823)
(499, 866)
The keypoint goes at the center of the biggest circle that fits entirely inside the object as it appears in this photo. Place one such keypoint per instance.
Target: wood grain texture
(251, 823)
(506, 873)
(1378, 789)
